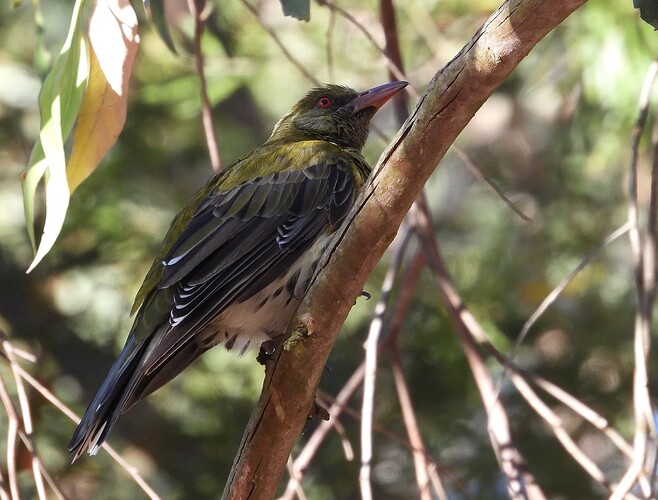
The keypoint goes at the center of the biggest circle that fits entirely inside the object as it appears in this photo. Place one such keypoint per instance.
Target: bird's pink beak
(376, 97)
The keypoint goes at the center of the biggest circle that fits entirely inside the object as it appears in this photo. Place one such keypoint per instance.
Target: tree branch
(451, 99)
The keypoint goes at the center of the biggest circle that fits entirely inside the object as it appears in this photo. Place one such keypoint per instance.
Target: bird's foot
(268, 348)
(365, 294)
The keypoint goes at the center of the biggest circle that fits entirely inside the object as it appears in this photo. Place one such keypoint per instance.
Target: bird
(238, 258)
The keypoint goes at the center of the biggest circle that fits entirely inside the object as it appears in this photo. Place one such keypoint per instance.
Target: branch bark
(451, 99)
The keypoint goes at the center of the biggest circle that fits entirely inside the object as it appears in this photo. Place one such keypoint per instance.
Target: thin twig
(12, 434)
(26, 415)
(330, 44)
(278, 41)
(409, 416)
(643, 254)
(650, 273)
(57, 403)
(348, 451)
(393, 436)
(520, 482)
(392, 50)
(199, 11)
(4, 492)
(477, 171)
(578, 407)
(392, 66)
(555, 293)
(39, 471)
(422, 463)
(555, 423)
(372, 344)
(298, 480)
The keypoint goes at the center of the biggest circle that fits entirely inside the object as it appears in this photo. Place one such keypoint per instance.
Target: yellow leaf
(114, 41)
(101, 119)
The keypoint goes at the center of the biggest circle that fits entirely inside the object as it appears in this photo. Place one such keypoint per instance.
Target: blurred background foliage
(555, 137)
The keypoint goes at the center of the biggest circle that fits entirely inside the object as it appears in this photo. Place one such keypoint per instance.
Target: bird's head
(336, 114)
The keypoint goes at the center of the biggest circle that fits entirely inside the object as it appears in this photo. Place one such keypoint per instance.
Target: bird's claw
(267, 349)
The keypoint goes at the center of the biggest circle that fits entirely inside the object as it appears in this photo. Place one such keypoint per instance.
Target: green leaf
(30, 181)
(60, 99)
(299, 9)
(157, 10)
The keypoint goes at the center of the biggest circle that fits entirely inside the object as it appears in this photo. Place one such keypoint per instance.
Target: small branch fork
(20, 430)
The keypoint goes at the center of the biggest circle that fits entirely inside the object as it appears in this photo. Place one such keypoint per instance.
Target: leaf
(30, 180)
(114, 42)
(648, 11)
(156, 8)
(299, 9)
(60, 99)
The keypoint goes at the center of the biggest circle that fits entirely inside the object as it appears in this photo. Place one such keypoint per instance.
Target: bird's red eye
(323, 102)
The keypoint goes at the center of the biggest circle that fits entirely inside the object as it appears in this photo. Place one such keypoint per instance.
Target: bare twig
(519, 378)
(578, 407)
(392, 51)
(555, 423)
(644, 259)
(555, 293)
(388, 19)
(57, 403)
(348, 451)
(420, 463)
(26, 416)
(20, 426)
(298, 480)
(481, 175)
(330, 45)
(12, 441)
(278, 41)
(372, 345)
(199, 10)
(378, 428)
(395, 70)
(520, 482)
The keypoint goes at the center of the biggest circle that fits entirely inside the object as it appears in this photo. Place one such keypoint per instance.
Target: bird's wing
(238, 240)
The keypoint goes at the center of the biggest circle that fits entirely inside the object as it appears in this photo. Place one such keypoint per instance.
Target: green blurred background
(555, 137)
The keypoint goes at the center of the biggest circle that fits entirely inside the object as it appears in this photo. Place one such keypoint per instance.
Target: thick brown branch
(451, 99)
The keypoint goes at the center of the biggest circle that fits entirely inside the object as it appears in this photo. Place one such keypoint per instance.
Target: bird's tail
(109, 402)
